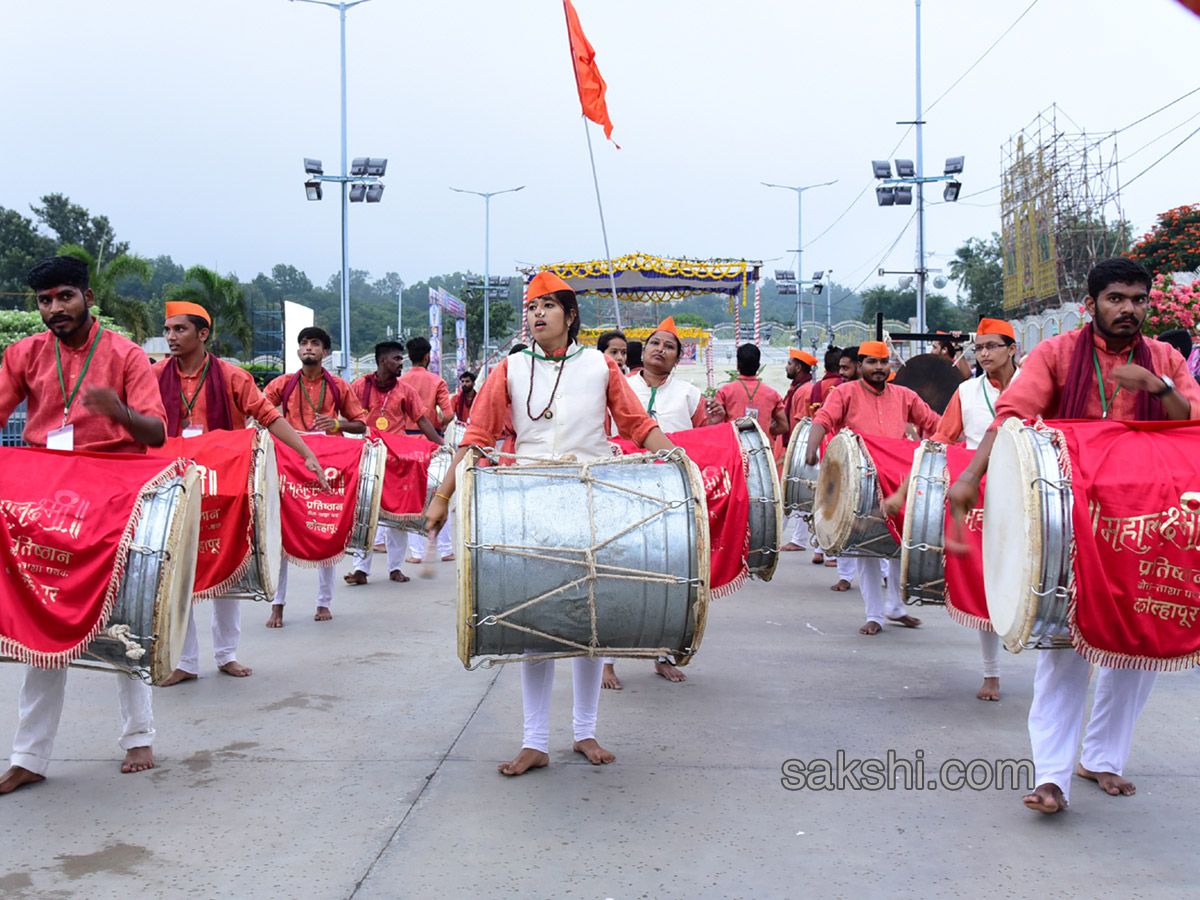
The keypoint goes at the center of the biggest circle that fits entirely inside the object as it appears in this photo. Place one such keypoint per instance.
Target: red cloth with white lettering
(317, 524)
(966, 601)
(66, 522)
(406, 479)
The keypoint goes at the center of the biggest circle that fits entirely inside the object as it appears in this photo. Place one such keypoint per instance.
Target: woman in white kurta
(558, 393)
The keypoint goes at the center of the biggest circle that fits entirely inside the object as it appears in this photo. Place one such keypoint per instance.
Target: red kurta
(30, 371)
(435, 396)
(245, 399)
(300, 413)
(743, 393)
(857, 407)
(399, 405)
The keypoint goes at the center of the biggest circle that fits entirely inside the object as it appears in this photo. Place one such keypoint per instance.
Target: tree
(226, 303)
(1173, 244)
(131, 314)
(72, 224)
(978, 267)
(692, 319)
(20, 248)
(940, 313)
(501, 317)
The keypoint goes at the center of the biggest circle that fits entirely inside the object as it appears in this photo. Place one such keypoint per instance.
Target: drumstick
(956, 545)
(427, 570)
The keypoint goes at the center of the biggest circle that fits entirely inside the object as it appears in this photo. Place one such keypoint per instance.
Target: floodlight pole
(920, 195)
(799, 245)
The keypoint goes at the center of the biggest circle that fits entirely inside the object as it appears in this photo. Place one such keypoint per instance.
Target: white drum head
(173, 602)
(838, 487)
(267, 522)
(1012, 537)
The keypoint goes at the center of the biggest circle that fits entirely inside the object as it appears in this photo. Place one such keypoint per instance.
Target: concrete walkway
(360, 761)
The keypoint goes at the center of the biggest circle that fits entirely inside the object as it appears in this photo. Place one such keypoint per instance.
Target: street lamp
(365, 185)
(488, 286)
(799, 224)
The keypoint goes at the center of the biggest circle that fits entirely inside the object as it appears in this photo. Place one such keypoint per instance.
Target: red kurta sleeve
(443, 401)
(490, 409)
(627, 411)
(248, 398)
(921, 415)
(832, 414)
(352, 407)
(951, 428)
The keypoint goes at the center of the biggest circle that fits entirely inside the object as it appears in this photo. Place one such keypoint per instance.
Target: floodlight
(474, 279)
(904, 195)
(817, 276)
(818, 287)
(313, 190)
(885, 196)
(882, 168)
(313, 167)
(376, 166)
(950, 194)
(784, 288)
(358, 191)
(905, 168)
(359, 166)
(374, 193)
(954, 165)
(785, 275)
(905, 282)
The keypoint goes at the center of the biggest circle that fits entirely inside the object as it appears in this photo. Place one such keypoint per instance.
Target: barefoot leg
(177, 676)
(1046, 798)
(667, 670)
(323, 614)
(236, 669)
(610, 679)
(524, 761)
(871, 627)
(595, 754)
(17, 777)
(990, 689)
(138, 759)
(276, 618)
(1109, 782)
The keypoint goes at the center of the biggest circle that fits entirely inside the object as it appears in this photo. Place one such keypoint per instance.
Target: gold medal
(381, 423)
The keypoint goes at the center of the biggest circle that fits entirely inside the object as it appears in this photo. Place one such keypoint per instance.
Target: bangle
(129, 414)
(440, 494)
(337, 424)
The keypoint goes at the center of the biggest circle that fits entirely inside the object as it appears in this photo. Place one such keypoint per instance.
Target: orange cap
(874, 349)
(891, 376)
(995, 326)
(544, 283)
(667, 325)
(183, 308)
(806, 358)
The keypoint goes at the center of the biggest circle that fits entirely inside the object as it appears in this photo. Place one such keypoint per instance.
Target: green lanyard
(750, 396)
(204, 374)
(62, 383)
(983, 384)
(316, 407)
(650, 406)
(1100, 380)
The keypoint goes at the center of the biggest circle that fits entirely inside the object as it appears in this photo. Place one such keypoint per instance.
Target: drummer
(844, 370)
(538, 385)
(971, 409)
(799, 371)
(389, 404)
(748, 395)
(1107, 369)
(88, 388)
(435, 402)
(461, 401)
(335, 410)
(876, 407)
(203, 393)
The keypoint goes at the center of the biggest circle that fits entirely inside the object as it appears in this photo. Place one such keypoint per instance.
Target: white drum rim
(910, 514)
(268, 516)
(794, 465)
(176, 579)
(747, 423)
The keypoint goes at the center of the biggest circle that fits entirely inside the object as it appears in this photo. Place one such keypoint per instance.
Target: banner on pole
(435, 332)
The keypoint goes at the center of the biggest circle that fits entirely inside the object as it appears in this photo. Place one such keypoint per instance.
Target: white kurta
(672, 404)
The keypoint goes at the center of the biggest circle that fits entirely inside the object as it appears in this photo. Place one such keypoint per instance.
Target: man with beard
(795, 405)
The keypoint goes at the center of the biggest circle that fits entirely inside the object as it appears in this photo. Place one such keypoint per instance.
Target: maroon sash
(1081, 380)
(295, 380)
(216, 397)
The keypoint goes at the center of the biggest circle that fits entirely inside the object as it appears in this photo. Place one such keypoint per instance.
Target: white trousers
(416, 542)
(989, 644)
(537, 681)
(392, 540)
(324, 585)
(226, 630)
(40, 705)
(800, 534)
(1056, 716)
(847, 567)
(870, 582)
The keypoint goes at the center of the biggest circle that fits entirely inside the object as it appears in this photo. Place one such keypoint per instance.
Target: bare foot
(380, 548)
(609, 678)
(177, 676)
(906, 620)
(449, 557)
(831, 563)
(276, 620)
(595, 754)
(990, 689)
(818, 559)
(668, 671)
(236, 669)
(138, 759)
(524, 761)
(17, 777)
(397, 575)
(413, 560)
(1046, 798)
(1109, 783)
(871, 628)
(791, 547)
(842, 585)
(355, 577)
(323, 614)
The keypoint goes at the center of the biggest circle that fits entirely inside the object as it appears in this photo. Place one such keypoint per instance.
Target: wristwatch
(1170, 386)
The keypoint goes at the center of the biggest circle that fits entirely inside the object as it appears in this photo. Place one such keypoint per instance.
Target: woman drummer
(558, 393)
(968, 414)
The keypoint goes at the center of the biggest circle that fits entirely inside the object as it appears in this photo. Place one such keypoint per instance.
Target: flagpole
(612, 278)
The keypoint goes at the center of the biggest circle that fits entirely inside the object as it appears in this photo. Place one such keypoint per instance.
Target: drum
(266, 542)
(847, 518)
(766, 512)
(1027, 538)
(922, 559)
(454, 434)
(439, 465)
(144, 634)
(605, 558)
(370, 489)
(799, 479)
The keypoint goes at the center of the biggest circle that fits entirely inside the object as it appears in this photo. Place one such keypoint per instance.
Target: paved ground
(359, 761)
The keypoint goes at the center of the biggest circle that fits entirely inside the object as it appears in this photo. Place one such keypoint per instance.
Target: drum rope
(123, 634)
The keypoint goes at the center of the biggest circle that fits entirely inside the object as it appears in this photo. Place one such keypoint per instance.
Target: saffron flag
(587, 76)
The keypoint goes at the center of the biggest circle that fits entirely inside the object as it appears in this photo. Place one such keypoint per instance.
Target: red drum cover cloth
(1136, 598)
(893, 459)
(406, 478)
(66, 522)
(966, 601)
(316, 524)
(224, 459)
(717, 453)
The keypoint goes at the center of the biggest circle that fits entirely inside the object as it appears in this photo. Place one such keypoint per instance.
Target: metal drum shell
(155, 595)
(766, 512)
(266, 538)
(799, 479)
(847, 518)
(371, 467)
(478, 569)
(439, 466)
(922, 545)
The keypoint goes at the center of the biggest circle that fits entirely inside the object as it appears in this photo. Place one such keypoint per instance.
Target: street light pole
(487, 257)
(799, 242)
(920, 194)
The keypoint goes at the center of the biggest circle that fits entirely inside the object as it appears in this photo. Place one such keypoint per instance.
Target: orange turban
(544, 283)
(995, 326)
(874, 349)
(806, 358)
(667, 325)
(183, 308)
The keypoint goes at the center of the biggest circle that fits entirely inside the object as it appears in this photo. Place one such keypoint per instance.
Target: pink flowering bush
(1172, 306)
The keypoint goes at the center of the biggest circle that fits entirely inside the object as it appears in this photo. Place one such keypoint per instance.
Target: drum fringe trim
(315, 563)
(62, 658)
(743, 574)
(239, 573)
(966, 619)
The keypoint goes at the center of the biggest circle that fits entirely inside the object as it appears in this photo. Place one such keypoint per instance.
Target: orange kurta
(300, 413)
(30, 371)
(857, 407)
(435, 396)
(245, 399)
(744, 393)
(399, 404)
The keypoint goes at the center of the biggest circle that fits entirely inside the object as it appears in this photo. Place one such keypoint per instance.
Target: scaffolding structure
(1060, 211)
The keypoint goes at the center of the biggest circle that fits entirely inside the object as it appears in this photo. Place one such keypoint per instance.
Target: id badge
(61, 438)
(752, 412)
(193, 431)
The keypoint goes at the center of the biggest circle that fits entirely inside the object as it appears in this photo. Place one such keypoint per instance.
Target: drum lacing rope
(124, 634)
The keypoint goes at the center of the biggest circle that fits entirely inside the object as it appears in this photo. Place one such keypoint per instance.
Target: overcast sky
(186, 122)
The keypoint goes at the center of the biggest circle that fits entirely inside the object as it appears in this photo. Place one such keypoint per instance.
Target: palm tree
(129, 313)
(226, 303)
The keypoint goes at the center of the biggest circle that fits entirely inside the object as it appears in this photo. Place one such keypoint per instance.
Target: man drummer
(971, 409)
(799, 371)
(313, 400)
(389, 403)
(873, 406)
(841, 367)
(88, 388)
(202, 393)
(748, 395)
(1105, 370)
(435, 401)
